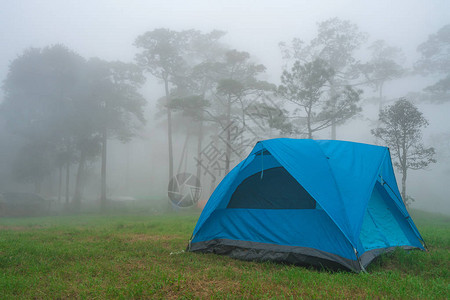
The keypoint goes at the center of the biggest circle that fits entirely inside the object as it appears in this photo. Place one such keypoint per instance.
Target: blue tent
(318, 202)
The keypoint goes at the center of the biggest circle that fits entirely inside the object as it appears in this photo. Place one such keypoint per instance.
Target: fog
(139, 168)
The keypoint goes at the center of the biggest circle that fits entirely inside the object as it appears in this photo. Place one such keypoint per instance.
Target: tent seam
(374, 181)
(328, 214)
(340, 197)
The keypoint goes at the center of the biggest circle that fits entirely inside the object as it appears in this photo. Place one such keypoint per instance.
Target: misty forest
(89, 132)
(234, 149)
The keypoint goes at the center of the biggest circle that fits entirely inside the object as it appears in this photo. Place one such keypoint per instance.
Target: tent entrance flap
(277, 189)
(383, 225)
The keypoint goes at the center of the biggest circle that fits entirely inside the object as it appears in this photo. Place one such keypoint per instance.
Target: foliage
(306, 85)
(57, 102)
(140, 256)
(435, 59)
(162, 52)
(435, 52)
(237, 88)
(41, 89)
(401, 130)
(115, 98)
(219, 87)
(270, 115)
(237, 85)
(191, 106)
(384, 65)
(170, 56)
(33, 161)
(335, 44)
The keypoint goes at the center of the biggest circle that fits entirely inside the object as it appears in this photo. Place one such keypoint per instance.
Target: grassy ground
(129, 256)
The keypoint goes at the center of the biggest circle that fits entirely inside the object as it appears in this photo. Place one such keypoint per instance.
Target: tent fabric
(308, 201)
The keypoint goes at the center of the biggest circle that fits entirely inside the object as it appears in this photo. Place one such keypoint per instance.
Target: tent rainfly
(315, 202)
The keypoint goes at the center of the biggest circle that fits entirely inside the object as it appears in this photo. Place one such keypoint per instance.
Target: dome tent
(318, 202)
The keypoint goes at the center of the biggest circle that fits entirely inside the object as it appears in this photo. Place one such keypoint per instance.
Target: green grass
(129, 256)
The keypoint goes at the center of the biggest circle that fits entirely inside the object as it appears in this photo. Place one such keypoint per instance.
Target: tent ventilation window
(277, 189)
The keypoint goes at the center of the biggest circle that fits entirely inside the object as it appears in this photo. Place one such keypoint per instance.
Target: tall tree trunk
(199, 147)
(333, 121)
(309, 123)
(60, 183)
(67, 182)
(183, 159)
(404, 186)
(169, 134)
(37, 185)
(380, 103)
(169, 127)
(404, 167)
(228, 145)
(333, 130)
(103, 171)
(213, 178)
(77, 195)
(127, 169)
(380, 107)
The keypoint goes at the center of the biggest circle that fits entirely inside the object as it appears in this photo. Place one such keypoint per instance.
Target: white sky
(107, 28)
